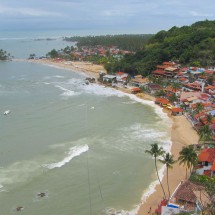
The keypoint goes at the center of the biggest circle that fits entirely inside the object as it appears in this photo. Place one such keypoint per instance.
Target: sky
(115, 16)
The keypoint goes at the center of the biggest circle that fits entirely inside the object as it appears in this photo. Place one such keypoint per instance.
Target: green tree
(176, 86)
(199, 107)
(53, 54)
(168, 161)
(205, 133)
(188, 157)
(196, 63)
(4, 55)
(32, 56)
(209, 118)
(173, 98)
(210, 79)
(156, 152)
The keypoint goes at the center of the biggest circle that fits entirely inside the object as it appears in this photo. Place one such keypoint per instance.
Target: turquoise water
(83, 145)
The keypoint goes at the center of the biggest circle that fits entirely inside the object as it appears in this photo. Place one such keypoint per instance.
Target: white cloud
(117, 13)
(27, 12)
(196, 14)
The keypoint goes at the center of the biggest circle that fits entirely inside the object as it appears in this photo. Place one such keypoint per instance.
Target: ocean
(82, 145)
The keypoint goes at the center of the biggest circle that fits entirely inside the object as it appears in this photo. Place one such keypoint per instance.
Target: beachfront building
(109, 78)
(177, 111)
(121, 78)
(153, 88)
(206, 164)
(186, 196)
(162, 102)
(136, 90)
(167, 70)
(139, 81)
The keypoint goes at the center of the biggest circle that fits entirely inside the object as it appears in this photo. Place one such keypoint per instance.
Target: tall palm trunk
(167, 180)
(159, 178)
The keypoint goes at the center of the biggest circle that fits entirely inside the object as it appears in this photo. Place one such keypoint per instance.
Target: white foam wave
(148, 192)
(153, 185)
(106, 91)
(101, 90)
(59, 76)
(46, 83)
(18, 172)
(129, 102)
(1, 188)
(67, 92)
(73, 152)
(140, 132)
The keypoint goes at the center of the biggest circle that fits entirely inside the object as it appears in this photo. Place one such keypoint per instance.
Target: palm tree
(205, 133)
(188, 157)
(168, 161)
(209, 118)
(156, 152)
(176, 86)
(199, 107)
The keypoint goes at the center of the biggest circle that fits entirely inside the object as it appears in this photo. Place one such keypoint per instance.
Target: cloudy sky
(118, 16)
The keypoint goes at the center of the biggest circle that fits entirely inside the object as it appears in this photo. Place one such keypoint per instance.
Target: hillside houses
(166, 70)
(84, 52)
(206, 164)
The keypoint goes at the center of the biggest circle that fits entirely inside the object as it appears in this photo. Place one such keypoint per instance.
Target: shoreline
(180, 135)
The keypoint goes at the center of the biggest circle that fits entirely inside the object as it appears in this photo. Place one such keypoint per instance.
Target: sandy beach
(182, 133)
(87, 68)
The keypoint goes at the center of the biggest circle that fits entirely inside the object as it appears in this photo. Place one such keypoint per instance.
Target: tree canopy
(190, 45)
(130, 42)
(4, 55)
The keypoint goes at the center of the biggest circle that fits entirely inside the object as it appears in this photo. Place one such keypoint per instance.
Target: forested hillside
(125, 42)
(190, 45)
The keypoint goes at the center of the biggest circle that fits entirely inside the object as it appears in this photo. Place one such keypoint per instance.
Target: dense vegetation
(4, 55)
(124, 42)
(191, 45)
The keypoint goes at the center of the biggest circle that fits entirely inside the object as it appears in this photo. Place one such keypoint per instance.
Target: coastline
(180, 135)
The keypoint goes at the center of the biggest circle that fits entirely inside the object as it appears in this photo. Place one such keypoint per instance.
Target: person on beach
(150, 210)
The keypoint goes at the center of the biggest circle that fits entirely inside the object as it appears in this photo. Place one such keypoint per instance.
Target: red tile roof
(162, 101)
(162, 66)
(210, 72)
(177, 110)
(184, 69)
(207, 155)
(204, 96)
(136, 89)
(120, 73)
(159, 72)
(182, 79)
(213, 167)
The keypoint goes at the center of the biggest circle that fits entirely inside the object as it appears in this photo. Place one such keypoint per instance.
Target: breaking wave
(73, 152)
(67, 92)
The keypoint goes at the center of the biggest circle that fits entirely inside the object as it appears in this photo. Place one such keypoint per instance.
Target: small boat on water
(6, 112)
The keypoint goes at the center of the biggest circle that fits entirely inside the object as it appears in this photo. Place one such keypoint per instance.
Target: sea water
(82, 145)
